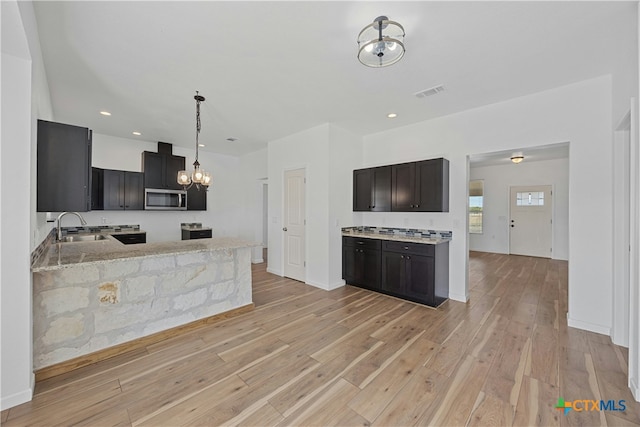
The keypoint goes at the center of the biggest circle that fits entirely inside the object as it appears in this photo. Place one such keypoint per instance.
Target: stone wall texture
(86, 308)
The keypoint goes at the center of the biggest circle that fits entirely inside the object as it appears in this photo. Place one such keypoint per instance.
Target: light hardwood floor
(353, 357)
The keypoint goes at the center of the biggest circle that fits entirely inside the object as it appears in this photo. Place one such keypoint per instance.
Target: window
(476, 196)
(535, 198)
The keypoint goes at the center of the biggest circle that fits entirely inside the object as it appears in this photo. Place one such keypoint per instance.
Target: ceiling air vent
(428, 92)
(232, 139)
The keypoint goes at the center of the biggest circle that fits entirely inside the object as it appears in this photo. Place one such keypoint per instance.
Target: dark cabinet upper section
(408, 187)
(372, 189)
(63, 167)
(161, 170)
(197, 199)
(117, 190)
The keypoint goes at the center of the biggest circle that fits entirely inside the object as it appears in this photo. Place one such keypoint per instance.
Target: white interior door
(294, 224)
(530, 224)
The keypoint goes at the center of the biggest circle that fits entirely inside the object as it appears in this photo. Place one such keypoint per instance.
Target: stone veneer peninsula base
(85, 311)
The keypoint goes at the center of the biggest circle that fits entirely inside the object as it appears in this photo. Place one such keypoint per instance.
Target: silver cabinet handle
(284, 228)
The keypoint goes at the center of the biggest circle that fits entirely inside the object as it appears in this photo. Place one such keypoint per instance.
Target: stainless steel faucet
(82, 221)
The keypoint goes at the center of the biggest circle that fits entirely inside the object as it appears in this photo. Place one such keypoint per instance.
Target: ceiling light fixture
(136, 133)
(381, 43)
(392, 115)
(105, 113)
(198, 176)
(517, 157)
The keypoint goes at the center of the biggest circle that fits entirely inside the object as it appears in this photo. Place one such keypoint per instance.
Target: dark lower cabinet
(63, 168)
(414, 271)
(361, 262)
(131, 238)
(200, 233)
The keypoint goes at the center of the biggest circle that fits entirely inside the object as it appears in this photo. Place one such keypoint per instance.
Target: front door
(294, 224)
(530, 223)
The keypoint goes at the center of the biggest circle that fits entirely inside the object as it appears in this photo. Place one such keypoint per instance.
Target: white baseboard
(635, 389)
(459, 297)
(19, 398)
(274, 271)
(257, 261)
(587, 326)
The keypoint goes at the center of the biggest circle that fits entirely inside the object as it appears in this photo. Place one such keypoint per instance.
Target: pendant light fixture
(381, 43)
(198, 176)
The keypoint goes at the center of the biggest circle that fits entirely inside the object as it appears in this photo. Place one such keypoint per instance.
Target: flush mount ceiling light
(392, 115)
(105, 113)
(198, 176)
(136, 133)
(380, 43)
(517, 157)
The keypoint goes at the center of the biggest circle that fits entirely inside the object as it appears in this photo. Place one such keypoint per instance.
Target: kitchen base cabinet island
(90, 299)
(408, 264)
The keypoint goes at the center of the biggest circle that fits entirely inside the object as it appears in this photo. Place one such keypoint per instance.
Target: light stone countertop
(396, 237)
(65, 255)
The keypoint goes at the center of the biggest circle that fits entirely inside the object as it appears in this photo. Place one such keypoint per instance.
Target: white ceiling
(270, 69)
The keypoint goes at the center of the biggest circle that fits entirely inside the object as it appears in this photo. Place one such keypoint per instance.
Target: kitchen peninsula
(92, 299)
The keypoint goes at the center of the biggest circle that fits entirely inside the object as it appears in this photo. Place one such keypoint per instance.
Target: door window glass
(532, 198)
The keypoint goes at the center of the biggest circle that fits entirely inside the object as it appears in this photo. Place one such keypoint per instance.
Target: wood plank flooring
(353, 357)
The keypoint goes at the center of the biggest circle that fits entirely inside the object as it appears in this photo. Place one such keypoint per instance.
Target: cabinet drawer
(131, 238)
(411, 248)
(361, 243)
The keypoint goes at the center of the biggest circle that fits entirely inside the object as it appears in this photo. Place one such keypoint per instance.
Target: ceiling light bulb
(136, 133)
(368, 48)
(105, 113)
(392, 115)
(392, 46)
(200, 145)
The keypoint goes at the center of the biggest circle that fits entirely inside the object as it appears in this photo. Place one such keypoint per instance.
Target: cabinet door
(63, 168)
(196, 199)
(393, 273)
(113, 190)
(432, 185)
(362, 190)
(420, 278)
(97, 189)
(153, 167)
(173, 164)
(134, 191)
(369, 263)
(349, 273)
(381, 181)
(403, 182)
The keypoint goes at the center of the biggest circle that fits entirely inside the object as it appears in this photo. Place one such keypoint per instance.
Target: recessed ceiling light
(136, 133)
(200, 145)
(105, 113)
(392, 115)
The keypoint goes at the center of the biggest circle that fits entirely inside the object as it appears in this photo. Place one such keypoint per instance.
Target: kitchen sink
(83, 238)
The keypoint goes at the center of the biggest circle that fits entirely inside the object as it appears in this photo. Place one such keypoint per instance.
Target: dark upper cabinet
(403, 187)
(161, 170)
(372, 189)
(196, 199)
(420, 186)
(432, 185)
(117, 190)
(63, 167)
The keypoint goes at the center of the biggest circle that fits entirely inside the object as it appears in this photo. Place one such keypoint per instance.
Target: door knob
(284, 228)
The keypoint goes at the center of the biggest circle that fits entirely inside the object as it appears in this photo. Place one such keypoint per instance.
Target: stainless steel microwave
(166, 200)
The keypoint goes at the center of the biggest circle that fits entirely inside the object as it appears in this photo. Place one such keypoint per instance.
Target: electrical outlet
(104, 220)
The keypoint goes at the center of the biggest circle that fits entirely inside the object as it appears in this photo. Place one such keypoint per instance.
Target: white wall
(495, 216)
(328, 154)
(579, 113)
(253, 175)
(16, 382)
(224, 197)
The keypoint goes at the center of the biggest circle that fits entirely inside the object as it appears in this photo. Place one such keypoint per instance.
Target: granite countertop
(397, 237)
(65, 255)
